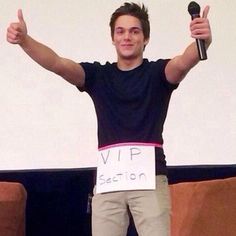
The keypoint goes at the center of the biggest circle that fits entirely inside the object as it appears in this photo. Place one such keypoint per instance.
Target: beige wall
(47, 123)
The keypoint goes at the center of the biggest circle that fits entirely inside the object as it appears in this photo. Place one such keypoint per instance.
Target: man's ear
(112, 39)
(146, 41)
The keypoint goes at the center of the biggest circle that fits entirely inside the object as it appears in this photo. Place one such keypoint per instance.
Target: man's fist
(17, 31)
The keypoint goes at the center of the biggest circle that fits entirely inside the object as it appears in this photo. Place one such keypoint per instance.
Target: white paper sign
(126, 167)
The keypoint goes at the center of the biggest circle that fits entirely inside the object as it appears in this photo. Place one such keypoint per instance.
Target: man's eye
(135, 31)
(119, 31)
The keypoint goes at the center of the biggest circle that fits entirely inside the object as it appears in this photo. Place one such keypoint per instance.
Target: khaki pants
(150, 210)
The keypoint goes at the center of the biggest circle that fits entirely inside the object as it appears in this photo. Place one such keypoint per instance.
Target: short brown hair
(132, 9)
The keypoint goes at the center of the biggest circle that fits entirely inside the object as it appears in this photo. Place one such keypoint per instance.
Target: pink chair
(13, 198)
(204, 208)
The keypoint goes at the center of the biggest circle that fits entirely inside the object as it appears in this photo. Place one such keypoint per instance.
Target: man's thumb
(20, 15)
(205, 12)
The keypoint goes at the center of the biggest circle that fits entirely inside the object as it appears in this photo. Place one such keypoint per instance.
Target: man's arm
(179, 66)
(43, 55)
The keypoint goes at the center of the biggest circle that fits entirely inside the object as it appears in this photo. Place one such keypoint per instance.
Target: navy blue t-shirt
(131, 106)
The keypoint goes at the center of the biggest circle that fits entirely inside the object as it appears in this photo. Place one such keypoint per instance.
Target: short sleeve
(163, 63)
(90, 70)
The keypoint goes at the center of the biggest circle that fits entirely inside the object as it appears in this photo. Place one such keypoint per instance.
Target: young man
(131, 99)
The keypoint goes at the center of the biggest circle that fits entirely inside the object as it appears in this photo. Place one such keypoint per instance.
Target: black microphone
(194, 11)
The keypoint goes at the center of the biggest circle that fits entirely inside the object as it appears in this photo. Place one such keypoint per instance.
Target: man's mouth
(127, 45)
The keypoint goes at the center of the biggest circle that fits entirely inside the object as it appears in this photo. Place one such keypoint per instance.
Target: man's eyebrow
(131, 28)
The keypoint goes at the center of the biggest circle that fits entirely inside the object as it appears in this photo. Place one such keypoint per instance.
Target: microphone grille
(193, 8)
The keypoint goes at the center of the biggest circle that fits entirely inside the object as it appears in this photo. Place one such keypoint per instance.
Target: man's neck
(129, 64)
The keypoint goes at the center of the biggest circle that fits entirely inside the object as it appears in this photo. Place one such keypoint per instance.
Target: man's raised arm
(43, 55)
(178, 67)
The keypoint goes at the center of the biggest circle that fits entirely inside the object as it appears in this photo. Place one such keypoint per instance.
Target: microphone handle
(200, 44)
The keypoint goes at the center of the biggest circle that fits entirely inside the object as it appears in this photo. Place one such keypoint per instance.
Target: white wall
(47, 123)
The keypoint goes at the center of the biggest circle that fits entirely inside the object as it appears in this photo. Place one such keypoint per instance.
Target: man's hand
(200, 27)
(179, 66)
(17, 31)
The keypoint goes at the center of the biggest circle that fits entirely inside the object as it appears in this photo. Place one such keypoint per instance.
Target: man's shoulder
(158, 61)
(98, 65)
(158, 64)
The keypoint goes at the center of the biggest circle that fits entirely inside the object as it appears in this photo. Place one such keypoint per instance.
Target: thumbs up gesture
(17, 31)
(200, 27)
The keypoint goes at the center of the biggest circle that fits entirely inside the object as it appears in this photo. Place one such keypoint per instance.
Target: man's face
(128, 37)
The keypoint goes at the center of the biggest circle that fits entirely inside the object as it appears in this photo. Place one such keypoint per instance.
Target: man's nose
(127, 34)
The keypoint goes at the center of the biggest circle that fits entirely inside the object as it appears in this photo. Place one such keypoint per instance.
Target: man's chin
(128, 56)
